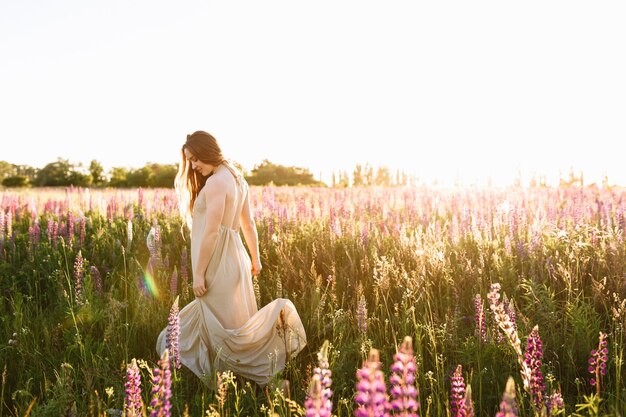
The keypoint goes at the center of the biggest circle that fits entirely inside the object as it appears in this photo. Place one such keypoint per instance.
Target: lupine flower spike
(533, 357)
(79, 274)
(467, 407)
(508, 407)
(403, 391)
(457, 391)
(480, 319)
(371, 397)
(133, 401)
(318, 402)
(162, 388)
(173, 333)
(597, 362)
(507, 326)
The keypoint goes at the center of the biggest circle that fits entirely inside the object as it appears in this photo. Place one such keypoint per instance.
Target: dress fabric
(223, 329)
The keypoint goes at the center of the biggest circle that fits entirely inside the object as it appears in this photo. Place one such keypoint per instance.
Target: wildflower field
(416, 301)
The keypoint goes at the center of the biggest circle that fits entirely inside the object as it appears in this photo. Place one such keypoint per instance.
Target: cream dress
(223, 329)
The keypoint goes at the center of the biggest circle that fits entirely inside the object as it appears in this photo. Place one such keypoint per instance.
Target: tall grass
(364, 267)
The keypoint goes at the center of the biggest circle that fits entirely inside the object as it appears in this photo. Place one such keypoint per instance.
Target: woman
(222, 328)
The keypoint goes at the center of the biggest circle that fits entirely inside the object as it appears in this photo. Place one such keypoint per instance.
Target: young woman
(223, 328)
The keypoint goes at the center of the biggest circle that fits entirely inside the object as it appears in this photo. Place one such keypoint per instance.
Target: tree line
(64, 173)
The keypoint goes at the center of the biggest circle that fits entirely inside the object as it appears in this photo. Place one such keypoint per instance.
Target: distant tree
(369, 175)
(357, 176)
(6, 169)
(383, 177)
(140, 177)
(268, 172)
(54, 174)
(15, 181)
(79, 179)
(344, 180)
(26, 171)
(118, 177)
(97, 173)
(162, 175)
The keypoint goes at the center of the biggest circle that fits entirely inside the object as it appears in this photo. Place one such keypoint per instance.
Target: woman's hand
(199, 289)
(256, 267)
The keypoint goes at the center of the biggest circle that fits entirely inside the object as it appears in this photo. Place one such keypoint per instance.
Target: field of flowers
(416, 301)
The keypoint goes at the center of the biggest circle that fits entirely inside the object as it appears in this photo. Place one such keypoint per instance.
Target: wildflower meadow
(417, 301)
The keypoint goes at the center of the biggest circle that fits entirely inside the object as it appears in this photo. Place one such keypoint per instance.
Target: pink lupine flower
(78, 279)
(174, 281)
(318, 402)
(371, 398)
(97, 279)
(133, 403)
(457, 391)
(162, 388)
(597, 362)
(173, 333)
(480, 319)
(403, 391)
(508, 406)
(533, 357)
(467, 407)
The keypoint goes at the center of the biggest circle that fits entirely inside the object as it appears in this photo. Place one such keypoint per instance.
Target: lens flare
(149, 285)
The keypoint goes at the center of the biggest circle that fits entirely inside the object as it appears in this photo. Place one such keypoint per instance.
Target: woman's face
(197, 165)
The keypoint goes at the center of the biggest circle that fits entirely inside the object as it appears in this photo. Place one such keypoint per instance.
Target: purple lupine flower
(162, 388)
(48, 230)
(315, 404)
(34, 233)
(467, 407)
(133, 403)
(457, 391)
(480, 319)
(55, 233)
(508, 407)
(554, 403)
(533, 357)
(371, 398)
(173, 333)
(361, 314)
(78, 278)
(97, 279)
(318, 402)
(598, 361)
(2, 225)
(403, 391)
(174, 281)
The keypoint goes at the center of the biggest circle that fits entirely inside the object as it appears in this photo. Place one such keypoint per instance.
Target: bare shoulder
(215, 186)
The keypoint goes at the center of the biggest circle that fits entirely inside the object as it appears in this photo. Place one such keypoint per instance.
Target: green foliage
(15, 181)
(270, 173)
(412, 256)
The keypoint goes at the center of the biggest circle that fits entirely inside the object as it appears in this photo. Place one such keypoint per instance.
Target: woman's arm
(248, 227)
(215, 197)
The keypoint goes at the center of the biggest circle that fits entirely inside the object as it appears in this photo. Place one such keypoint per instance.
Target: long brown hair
(188, 182)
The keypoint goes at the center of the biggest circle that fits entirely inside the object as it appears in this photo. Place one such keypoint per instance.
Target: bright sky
(442, 89)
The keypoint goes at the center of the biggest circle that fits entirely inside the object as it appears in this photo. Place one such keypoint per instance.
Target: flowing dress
(223, 329)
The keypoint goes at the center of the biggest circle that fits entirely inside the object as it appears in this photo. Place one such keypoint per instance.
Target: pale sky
(441, 89)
